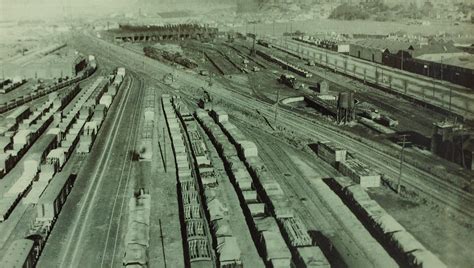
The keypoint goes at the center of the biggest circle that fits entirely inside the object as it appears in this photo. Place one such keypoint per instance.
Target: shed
(373, 49)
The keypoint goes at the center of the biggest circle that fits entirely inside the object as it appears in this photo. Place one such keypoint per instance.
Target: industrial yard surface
(236, 134)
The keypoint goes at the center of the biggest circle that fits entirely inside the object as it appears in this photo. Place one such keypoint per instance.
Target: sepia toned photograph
(236, 133)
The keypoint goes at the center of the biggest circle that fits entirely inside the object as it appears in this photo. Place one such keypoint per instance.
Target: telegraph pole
(162, 243)
(276, 105)
(403, 143)
(164, 149)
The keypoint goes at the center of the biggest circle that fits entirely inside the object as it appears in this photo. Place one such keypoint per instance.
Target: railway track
(376, 96)
(121, 194)
(314, 211)
(72, 247)
(441, 192)
(460, 99)
(246, 56)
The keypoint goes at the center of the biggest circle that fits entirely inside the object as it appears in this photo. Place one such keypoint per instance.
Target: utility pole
(164, 149)
(403, 143)
(276, 105)
(162, 243)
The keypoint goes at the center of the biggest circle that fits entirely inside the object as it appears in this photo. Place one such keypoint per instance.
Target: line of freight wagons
(383, 226)
(91, 68)
(61, 141)
(194, 226)
(225, 243)
(279, 235)
(49, 191)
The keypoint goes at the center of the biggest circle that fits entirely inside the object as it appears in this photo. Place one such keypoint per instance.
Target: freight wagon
(360, 173)
(7, 204)
(7, 87)
(19, 114)
(331, 153)
(135, 255)
(53, 199)
(20, 253)
(311, 257)
(383, 226)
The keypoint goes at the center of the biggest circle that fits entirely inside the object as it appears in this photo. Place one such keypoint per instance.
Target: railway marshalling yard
(256, 175)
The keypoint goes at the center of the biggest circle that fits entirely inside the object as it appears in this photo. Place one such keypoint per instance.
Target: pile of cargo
(195, 227)
(276, 231)
(383, 226)
(91, 68)
(225, 243)
(348, 166)
(137, 238)
(145, 151)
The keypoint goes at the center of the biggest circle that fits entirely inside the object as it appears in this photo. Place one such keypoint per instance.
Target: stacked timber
(226, 246)
(198, 245)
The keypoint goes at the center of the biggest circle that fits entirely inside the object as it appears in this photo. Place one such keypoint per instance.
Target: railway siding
(383, 226)
(413, 177)
(195, 229)
(50, 187)
(273, 214)
(400, 82)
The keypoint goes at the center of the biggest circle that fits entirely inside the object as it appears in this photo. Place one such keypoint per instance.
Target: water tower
(345, 107)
